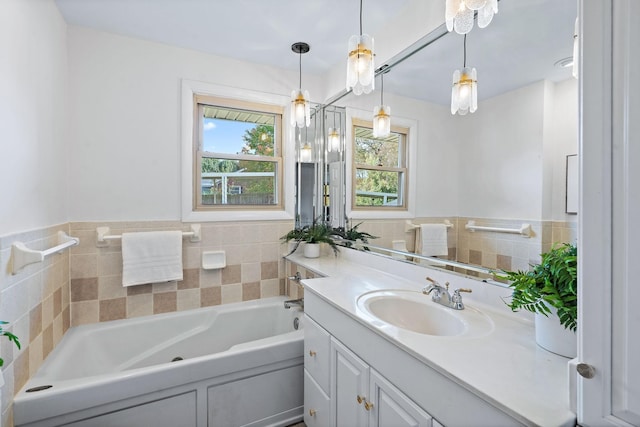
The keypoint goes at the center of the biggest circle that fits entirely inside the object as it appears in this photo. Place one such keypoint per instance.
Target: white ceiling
(520, 46)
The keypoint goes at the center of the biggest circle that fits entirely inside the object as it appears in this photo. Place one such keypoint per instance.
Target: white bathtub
(242, 365)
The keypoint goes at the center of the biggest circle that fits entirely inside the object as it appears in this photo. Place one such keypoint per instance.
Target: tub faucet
(294, 303)
(442, 296)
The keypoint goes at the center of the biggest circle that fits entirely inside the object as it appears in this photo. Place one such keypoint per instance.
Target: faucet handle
(457, 291)
(431, 280)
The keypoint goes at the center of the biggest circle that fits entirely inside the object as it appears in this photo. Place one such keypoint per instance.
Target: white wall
(500, 150)
(564, 140)
(125, 115)
(33, 116)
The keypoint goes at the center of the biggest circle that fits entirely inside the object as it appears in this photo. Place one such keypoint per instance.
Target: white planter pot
(312, 250)
(552, 336)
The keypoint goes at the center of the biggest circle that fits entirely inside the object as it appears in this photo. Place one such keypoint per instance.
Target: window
(238, 156)
(380, 169)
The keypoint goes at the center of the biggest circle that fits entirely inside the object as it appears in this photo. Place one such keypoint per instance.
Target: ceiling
(520, 46)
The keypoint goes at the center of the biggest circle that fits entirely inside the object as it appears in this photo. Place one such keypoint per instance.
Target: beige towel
(431, 240)
(151, 257)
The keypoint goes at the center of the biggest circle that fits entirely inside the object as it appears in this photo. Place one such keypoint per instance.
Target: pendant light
(333, 140)
(381, 115)
(300, 109)
(360, 68)
(464, 93)
(459, 14)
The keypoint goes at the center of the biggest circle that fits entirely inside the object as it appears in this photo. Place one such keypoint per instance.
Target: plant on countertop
(317, 232)
(9, 335)
(552, 283)
(352, 234)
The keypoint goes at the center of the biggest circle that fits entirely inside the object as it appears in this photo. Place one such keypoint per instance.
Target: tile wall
(254, 270)
(36, 303)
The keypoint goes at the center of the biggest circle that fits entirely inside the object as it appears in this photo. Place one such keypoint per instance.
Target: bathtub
(236, 364)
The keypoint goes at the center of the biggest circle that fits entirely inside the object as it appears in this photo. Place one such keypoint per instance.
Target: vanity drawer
(317, 406)
(317, 353)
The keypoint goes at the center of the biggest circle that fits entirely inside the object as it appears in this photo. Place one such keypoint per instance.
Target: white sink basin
(414, 311)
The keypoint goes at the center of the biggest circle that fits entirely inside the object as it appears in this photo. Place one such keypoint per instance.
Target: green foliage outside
(370, 151)
(10, 336)
(552, 283)
(259, 141)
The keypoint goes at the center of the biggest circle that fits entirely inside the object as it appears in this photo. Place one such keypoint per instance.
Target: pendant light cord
(464, 62)
(381, 90)
(360, 18)
(300, 71)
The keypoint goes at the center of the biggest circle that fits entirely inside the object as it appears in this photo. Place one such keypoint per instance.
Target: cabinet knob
(585, 370)
(368, 405)
(360, 399)
(312, 412)
(312, 353)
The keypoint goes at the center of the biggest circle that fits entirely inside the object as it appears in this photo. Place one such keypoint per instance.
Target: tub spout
(294, 302)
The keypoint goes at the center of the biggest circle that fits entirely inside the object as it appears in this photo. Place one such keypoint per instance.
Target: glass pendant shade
(300, 109)
(305, 153)
(333, 140)
(381, 121)
(459, 14)
(464, 92)
(360, 68)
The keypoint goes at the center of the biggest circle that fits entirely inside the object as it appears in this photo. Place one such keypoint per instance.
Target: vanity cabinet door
(391, 408)
(349, 387)
(317, 349)
(317, 405)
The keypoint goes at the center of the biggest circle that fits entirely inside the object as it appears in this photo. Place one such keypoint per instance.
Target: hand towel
(431, 240)
(151, 257)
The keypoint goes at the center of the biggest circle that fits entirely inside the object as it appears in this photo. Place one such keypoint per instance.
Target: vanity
(378, 352)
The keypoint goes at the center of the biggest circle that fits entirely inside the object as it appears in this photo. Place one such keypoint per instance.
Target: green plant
(552, 283)
(317, 232)
(352, 234)
(9, 335)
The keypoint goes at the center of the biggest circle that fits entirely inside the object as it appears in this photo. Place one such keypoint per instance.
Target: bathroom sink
(415, 312)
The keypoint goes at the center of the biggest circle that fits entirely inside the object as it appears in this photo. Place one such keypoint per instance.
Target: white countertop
(504, 367)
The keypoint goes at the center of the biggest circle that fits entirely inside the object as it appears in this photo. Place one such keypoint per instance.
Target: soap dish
(212, 260)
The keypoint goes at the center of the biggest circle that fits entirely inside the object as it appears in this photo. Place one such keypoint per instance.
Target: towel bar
(524, 230)
(22, 256)
(409, 226)
(103, 236)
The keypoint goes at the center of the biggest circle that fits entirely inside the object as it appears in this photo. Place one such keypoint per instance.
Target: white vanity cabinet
(343, 390)
(363, 397)
(374, 383)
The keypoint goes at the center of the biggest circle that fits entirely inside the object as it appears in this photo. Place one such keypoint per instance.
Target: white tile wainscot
(499, 379)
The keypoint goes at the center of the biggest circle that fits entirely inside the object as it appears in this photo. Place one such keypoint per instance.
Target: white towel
(431, 240)
(151, 257)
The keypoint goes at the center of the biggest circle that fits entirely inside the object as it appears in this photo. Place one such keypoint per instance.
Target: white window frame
(191, 88)
(377, 213)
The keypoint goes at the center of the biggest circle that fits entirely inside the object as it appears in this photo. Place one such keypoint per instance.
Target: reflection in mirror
(503, 165)
(320, 168)
(379, 171)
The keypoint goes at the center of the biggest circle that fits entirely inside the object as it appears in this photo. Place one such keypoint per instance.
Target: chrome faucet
(294, 303)
(442, 296)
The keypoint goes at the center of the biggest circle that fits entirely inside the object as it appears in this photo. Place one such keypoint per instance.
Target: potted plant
(10, 336)
(312, 235)
(352, 234)
(550, 289)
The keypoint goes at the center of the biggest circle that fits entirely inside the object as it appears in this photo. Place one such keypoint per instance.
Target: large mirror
(495, 179)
